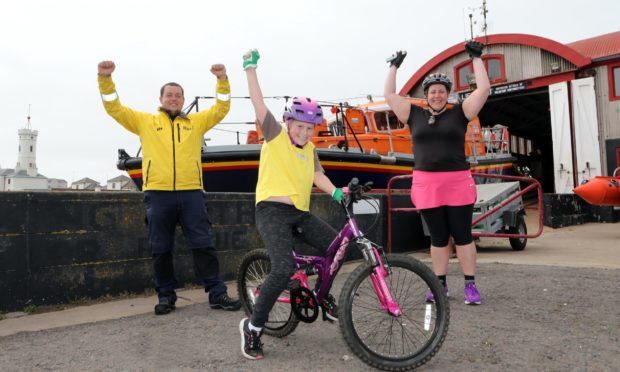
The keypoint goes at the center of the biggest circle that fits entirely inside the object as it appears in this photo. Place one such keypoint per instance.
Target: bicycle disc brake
(304, 305)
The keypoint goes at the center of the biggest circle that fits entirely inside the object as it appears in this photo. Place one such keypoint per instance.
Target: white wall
(25, 183)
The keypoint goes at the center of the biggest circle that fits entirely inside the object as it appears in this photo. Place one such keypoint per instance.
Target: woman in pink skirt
(442, 187)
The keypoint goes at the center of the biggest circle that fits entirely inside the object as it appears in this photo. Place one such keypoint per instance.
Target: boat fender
(388, 159)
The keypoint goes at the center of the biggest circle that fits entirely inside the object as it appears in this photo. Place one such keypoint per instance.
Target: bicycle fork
(377, 276)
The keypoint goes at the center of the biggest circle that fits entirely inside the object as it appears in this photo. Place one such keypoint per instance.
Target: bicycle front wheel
(253, 271)
(385, 341)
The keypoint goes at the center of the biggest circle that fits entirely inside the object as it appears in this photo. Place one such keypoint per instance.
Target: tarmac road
(553, 306)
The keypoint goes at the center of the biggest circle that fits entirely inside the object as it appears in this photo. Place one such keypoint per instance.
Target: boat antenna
(472, 22)
(484, 17)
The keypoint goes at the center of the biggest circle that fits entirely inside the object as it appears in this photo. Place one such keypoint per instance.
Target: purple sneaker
(472, 296)
(431, 298)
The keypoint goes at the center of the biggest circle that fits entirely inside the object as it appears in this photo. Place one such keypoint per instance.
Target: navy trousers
(166, 209)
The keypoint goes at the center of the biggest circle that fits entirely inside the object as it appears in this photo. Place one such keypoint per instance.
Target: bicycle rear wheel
(253, 271)
(385, 341)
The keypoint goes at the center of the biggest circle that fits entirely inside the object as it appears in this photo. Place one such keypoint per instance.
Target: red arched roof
(554, 47)
(598, 46)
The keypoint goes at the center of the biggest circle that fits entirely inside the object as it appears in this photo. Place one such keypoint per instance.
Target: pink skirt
(436, 189)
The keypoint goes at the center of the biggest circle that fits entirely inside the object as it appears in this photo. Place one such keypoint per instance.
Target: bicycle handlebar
(354, 190)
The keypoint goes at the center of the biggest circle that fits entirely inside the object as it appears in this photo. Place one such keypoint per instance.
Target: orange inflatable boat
(601, 190)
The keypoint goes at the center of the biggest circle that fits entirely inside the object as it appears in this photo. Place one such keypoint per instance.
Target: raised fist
(397, 58)
(474, 49)
(250, 59)
(106, 68)
(219, 70)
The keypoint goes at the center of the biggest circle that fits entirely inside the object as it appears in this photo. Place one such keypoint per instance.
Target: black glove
(397, 58)
(474, 49)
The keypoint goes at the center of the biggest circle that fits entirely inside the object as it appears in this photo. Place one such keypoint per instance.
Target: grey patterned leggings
(275, 222)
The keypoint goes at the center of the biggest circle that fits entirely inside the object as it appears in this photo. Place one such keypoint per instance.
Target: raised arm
(473, 104)
(125, 116)
(106, 68)
(250, 60)
(207, 119)
(398, 104)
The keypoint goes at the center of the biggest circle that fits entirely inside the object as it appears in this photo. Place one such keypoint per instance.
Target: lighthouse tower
(27, 153)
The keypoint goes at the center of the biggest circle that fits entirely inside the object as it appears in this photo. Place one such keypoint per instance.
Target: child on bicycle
(288, 168)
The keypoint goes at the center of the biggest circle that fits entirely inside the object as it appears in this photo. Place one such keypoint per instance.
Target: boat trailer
(498, 211)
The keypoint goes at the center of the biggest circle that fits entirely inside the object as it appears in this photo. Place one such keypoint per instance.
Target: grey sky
(325, 49)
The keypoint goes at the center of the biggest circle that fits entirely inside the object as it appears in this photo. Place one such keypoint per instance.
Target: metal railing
(534, 184)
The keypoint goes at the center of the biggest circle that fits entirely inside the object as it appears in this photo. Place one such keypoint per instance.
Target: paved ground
(549, 307)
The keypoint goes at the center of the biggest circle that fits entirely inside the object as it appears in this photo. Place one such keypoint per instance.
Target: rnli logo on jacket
(301, 156)
(185, 127)
(159, 129)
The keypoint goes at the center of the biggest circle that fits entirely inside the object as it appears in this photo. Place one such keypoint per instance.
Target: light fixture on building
(555, 67)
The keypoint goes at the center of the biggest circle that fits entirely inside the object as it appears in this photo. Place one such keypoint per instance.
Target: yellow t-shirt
(286, 170)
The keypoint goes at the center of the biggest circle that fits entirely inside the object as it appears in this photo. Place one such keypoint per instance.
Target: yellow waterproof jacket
(171, 150)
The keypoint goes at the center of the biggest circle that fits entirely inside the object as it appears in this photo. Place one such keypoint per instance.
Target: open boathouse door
(574, 132)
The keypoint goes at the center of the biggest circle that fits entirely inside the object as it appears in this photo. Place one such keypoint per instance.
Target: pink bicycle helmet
(304, 109)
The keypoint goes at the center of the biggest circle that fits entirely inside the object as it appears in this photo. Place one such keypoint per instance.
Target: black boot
(164, 306)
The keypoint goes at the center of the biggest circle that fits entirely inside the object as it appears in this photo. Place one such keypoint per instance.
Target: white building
(560, 102)
(26, 176)
(86, 184)
(121, 183)
(55, 183)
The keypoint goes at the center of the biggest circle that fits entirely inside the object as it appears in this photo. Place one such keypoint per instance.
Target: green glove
(337, 195)
(250, 59)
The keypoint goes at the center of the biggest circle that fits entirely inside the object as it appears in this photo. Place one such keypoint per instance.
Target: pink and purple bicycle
(383, 313)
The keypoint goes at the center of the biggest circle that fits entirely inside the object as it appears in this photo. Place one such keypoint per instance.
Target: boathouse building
(560, 102)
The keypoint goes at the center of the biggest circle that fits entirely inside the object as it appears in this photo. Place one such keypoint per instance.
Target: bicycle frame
(327, 267)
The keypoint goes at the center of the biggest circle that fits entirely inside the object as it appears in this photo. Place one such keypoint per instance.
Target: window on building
(614, 82)
(494, 69)
(494, 64)
(464, 74)
(463, 71)
(30, 148)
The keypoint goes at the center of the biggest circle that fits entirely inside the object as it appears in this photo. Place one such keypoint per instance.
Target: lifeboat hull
(600, 190)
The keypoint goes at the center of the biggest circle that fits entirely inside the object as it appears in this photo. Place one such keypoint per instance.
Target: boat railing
(488, 142)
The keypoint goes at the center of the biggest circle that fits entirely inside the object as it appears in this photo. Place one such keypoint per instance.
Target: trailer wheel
(518, 244)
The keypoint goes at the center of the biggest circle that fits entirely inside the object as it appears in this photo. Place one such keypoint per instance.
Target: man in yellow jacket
(172, 181)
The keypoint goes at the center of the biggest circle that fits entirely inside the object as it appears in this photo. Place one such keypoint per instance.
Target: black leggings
(275, 222)
(446, 221)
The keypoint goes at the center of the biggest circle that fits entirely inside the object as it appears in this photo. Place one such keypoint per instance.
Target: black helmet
(437, 79)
